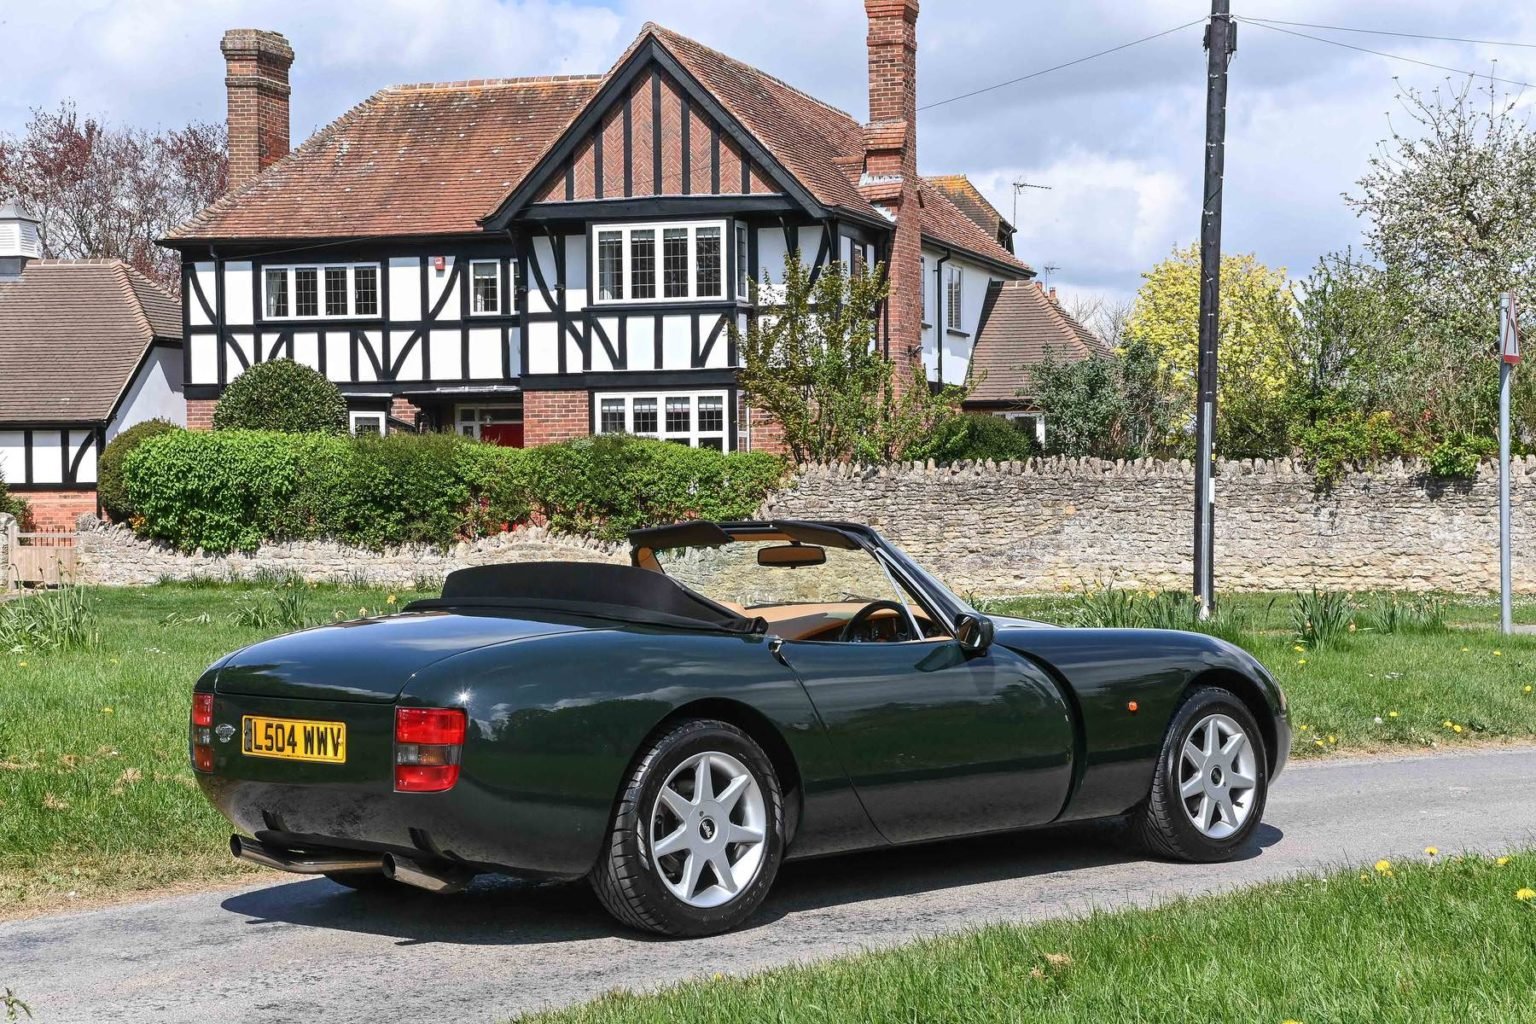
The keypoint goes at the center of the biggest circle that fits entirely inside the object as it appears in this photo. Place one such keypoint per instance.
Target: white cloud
(1119, 139)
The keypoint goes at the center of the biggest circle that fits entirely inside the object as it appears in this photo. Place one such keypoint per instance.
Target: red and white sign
(1509, 340)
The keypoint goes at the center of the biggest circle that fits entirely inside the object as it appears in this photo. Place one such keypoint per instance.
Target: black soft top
(596, 589)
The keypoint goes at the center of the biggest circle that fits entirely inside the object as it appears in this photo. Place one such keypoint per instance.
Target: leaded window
(335, 291)
(306, 292)
(642, 264)
(610, 265)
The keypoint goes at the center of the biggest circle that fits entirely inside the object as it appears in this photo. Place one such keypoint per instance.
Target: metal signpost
(1509, 356)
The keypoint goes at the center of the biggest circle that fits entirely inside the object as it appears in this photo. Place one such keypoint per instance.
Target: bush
(1337, 443)
(282, 395)
(977, 436)
(1459, 455)
(230, 490)
(109, 468)
(17, 507)
(608, 485)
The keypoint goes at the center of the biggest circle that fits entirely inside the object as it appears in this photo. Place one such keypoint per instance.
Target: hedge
(109, 468)
(230, 490)
(282, 395)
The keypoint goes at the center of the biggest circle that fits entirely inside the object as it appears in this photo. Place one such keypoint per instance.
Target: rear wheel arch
(1252, 696)
(762, 732)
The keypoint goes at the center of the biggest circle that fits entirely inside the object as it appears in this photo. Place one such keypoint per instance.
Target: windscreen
(730, 573)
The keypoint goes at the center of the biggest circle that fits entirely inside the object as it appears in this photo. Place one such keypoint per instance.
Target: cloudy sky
(1118, 139)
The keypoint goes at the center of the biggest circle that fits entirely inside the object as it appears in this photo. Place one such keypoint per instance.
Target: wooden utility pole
(1220, 43)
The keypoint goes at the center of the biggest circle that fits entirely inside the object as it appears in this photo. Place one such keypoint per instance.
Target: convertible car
(742, 693)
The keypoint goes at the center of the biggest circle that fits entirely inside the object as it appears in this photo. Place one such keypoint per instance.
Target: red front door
(508, 435)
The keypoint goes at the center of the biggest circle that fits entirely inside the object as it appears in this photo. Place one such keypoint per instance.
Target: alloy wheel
(707, 829)
(1217, 776)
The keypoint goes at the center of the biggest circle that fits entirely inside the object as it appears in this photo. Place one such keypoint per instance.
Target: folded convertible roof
(595, 589)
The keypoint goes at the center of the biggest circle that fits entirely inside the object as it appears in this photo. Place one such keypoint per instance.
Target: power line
(1393, 56)
(1059, 67)
(1389, 32)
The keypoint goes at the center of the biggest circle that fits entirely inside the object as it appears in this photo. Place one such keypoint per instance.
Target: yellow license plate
(293, 739)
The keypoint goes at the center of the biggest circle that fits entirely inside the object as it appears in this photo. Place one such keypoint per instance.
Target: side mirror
(974, 632)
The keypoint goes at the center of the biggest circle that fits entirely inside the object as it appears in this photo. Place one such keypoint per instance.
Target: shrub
(17, 507)
(976, 436)
(1459, 455)
(1335, 444)
(281, 395)
(608, 485)
(109, 468)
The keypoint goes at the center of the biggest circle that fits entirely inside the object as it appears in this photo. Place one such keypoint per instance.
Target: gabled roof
(438, 159)
(409, 160)
(72, 333)
(964, 194)
(1019, 324)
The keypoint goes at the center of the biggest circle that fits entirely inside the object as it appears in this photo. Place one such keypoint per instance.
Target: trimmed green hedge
(230, 490)
(109, 468)
(282, 395)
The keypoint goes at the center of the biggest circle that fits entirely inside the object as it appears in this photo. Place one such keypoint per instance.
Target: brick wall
(200, 413)
(58, 510)
(256, 81)
(404, 410)
(550, 416)
(767, 433)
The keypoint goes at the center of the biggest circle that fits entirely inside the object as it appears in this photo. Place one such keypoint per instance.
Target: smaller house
(1020, 323)
(87, 349)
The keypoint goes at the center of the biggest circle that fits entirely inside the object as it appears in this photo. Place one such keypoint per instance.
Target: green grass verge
(1374, 691)
(1448, 941)
(96, 794)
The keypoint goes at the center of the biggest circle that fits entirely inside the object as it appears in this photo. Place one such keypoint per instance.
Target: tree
(281, 395)
(1254, 366)
(813, 365)
(1450, 222)
(1105, 317)
(1117, 406)
(102, 190)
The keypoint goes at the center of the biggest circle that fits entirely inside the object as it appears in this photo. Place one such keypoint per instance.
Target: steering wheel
(861, 619)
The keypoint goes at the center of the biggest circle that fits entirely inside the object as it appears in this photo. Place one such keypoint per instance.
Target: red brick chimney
(256, 78)
(890, 169)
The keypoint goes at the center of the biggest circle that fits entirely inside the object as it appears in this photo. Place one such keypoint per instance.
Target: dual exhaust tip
(431, 877)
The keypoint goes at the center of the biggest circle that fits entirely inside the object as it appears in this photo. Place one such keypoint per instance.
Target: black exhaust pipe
(258, 852)
(426, 876)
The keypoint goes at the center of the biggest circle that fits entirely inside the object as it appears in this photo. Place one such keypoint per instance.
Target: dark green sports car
(743, 692)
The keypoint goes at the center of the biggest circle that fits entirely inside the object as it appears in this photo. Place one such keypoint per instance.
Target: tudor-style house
(531, 259)
(87, 349)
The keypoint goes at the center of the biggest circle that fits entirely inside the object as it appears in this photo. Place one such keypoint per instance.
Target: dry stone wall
(1028, 527)
(1014, 528)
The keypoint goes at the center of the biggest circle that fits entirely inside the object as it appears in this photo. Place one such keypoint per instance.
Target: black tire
(1161, 825)
(362, 881)
(626, 879)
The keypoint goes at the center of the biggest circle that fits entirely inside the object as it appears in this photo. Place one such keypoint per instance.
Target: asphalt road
(308, 950)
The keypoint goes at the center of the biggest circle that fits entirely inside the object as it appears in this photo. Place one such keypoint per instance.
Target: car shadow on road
(498, 911)
(501, 911)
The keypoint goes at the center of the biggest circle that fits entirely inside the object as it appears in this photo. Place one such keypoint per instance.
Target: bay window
(688, 258)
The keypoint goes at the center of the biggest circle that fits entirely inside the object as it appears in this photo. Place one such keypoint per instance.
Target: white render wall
(956, 348)
(155, 393)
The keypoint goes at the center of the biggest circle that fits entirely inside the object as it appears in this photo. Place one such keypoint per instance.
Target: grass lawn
(1448, 941)
(95, 791)
(96, 796)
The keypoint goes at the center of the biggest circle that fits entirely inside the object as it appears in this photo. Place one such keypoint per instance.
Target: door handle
(776, 648)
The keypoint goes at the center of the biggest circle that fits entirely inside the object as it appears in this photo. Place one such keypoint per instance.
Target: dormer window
(688, 258)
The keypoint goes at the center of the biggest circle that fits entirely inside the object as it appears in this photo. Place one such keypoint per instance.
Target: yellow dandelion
(1383, 866)
(1498, 654)
(1298, 648)
(1431, 851)
(1502, 862)
(1464, 650)
(1527, 687)
(1391, 714)
(106, 711)
(1448, 723)
(1525, 895)
(1332, 738)
(1456, 729)
(390, 599)
(1301, 661)
(1317, 743)
(23, 664)
(1304, 728)
(1351, 627)
(113, 661)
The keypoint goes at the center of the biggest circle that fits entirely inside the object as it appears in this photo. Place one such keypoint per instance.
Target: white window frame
(923, 291)
(692, 435)
(502, 413)
(500, 309)
(742, 233)
(320, 313)
(355, 416)
(660, 227)
(1037, 421)
(954, 300)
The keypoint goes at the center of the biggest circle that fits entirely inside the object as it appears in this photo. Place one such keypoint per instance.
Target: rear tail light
(428, 745)
(202, 732)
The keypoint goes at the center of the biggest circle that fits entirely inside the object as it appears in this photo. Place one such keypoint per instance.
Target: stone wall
(1041, 525)
(1015, 528)
(113, 555)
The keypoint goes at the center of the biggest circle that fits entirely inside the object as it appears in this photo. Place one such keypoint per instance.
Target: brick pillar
(550, 416)
(256, 81)
(890, 158)
(200, 413)
(406, 411)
